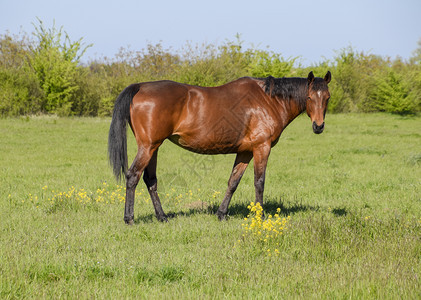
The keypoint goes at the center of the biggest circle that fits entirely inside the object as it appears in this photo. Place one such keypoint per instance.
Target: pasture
(349, 216)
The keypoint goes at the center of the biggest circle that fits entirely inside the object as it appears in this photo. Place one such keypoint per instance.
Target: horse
(245, 117)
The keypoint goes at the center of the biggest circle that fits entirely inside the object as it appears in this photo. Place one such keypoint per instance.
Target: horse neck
(293, 104)
(291, 108)
(290, 92)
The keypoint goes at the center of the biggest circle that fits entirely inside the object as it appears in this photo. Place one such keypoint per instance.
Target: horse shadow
(270, 207)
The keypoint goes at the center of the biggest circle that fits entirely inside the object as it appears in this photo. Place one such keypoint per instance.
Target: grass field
(352, 196)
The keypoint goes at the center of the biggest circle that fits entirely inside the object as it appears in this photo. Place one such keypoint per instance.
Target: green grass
(352, 194)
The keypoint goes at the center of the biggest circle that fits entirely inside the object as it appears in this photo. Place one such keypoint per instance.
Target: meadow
(343, 216)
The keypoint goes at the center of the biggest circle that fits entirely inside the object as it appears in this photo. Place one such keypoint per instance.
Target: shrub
(55, 63)
(393, 94)
(45, 75)
(19, 89)
(264, 64)
(208, 65)
(19, 93)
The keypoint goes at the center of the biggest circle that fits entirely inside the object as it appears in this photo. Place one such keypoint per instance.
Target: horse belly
(213, 141)
(212, 122)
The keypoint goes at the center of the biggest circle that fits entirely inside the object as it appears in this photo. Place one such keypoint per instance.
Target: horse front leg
(260, 156)
(241, 162)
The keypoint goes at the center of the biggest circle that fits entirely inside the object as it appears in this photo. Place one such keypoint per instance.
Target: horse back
(201, 119)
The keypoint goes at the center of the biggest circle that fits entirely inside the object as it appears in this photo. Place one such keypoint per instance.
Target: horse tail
(117, 137)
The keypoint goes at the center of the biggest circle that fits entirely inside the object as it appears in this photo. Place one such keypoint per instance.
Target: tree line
(44, 74)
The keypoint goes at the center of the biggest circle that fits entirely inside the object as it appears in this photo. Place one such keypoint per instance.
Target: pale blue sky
(312, 30)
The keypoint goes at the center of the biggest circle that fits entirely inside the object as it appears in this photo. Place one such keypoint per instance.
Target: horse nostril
(318, 128)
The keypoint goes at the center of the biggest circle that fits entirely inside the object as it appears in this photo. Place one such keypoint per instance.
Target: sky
(311, 30)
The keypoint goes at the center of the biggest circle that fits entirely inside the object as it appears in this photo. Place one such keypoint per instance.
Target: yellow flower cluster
(108, 194)
(266, 232)
(102, 195)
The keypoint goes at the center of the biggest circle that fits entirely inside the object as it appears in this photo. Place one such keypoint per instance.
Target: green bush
(45, 74)
(352, 72)
(19, 93)
(19, 88)
(393, 94)
(208, 65)
(264, 64)
(56, 66)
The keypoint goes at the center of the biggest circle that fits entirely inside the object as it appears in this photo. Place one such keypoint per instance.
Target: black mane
(286, 88)
(292, 88)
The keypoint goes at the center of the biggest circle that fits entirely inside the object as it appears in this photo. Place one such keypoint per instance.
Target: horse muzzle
(318, 128)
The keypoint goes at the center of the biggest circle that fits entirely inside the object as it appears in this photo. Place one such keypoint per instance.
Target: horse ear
(310, 77)
(328, 77)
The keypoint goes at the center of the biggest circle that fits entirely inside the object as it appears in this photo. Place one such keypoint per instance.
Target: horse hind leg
(149, 177)
(139, 164)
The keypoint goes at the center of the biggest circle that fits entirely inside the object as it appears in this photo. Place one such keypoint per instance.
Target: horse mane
(292, 88)
(287, 89)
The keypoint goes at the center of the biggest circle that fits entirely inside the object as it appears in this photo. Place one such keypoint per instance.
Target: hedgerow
(45, 74)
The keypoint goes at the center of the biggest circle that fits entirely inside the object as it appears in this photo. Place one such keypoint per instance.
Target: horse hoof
(129, 221)
(221, 215)
(163, 219)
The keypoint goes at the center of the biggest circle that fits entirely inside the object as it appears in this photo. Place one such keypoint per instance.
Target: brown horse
(246, 117)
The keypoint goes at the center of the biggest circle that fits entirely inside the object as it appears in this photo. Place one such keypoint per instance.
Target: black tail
(117, 137)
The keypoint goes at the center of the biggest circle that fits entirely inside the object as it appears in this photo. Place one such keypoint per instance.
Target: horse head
(317, 100)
